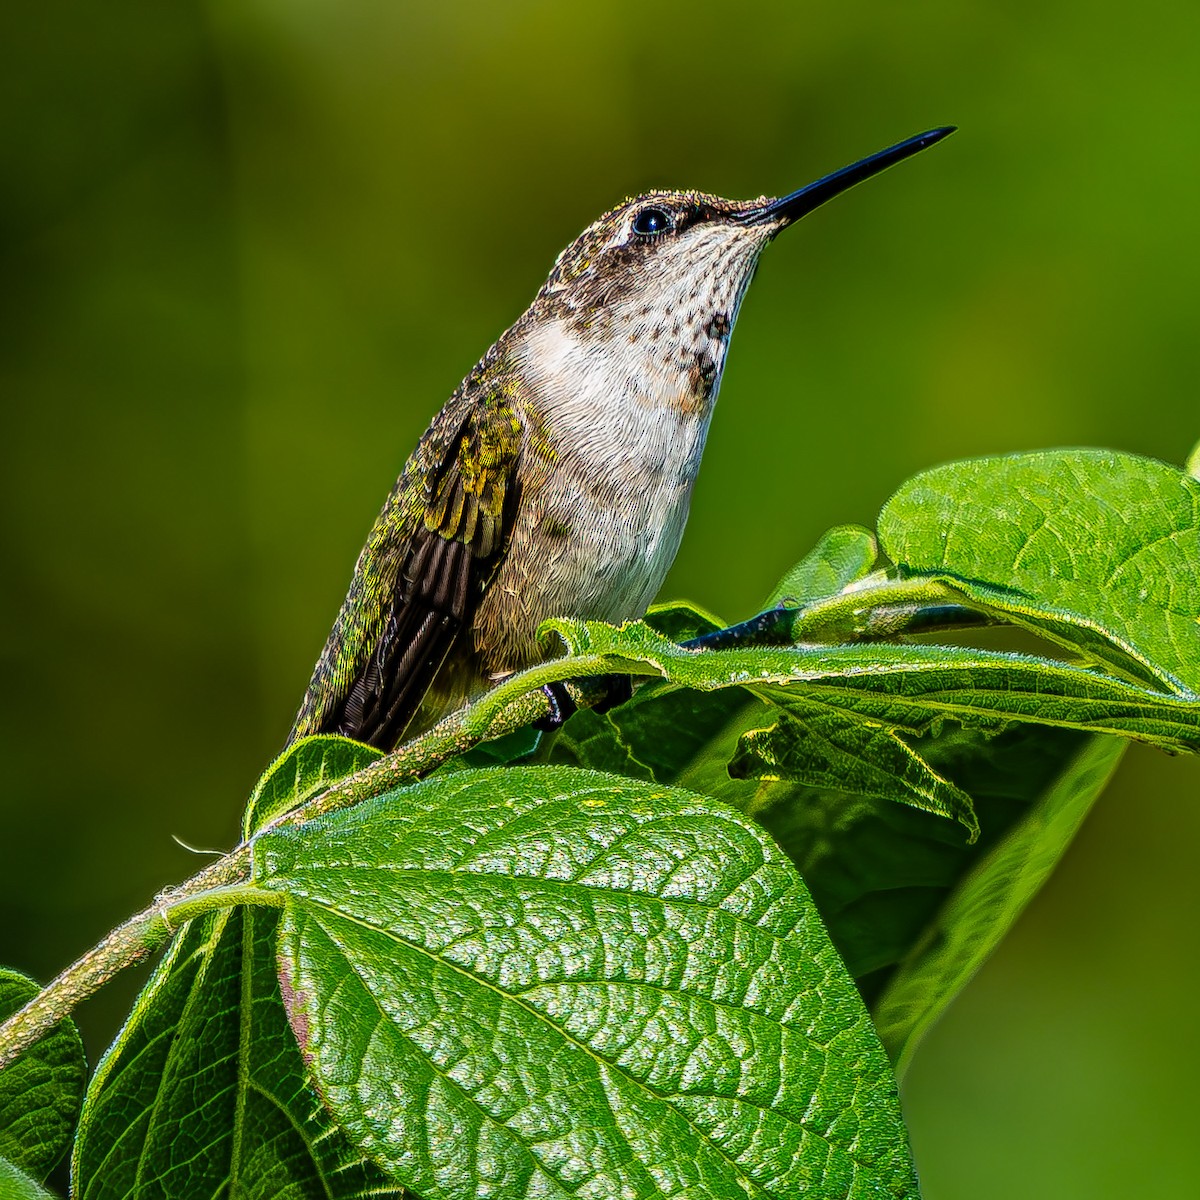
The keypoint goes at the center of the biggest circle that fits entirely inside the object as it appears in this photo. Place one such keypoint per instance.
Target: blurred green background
(250, 247)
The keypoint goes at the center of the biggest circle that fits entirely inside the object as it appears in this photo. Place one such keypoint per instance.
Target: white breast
(619, 408)
(601, 515)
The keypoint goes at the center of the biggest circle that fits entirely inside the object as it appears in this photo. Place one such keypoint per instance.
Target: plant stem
(454, 735)
(129, 943)
(137, 938)
(880, 609)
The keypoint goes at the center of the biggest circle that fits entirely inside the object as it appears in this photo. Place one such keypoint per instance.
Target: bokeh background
(249, 247)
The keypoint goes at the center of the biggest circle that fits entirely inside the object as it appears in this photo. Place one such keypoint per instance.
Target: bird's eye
(651, 221)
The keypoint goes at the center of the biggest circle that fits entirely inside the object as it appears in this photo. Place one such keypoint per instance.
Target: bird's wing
(436, 544)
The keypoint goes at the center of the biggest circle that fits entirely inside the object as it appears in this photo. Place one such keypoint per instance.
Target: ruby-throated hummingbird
(556, 480)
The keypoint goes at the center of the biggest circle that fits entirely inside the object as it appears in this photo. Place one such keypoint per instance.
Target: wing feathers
(419, 632)
(470, 491)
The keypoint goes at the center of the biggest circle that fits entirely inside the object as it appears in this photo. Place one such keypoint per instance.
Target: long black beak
(791, 208)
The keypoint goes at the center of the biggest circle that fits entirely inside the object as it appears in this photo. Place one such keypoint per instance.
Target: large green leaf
(550, 982)
(41, 1092)
(908, 686)
(204, 1093)
(1095, 549)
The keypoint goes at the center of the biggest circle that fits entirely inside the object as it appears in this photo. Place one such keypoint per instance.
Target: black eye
(651, 221)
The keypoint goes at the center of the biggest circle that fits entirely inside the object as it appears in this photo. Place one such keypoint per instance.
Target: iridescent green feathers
(467, 503)
(428, 558)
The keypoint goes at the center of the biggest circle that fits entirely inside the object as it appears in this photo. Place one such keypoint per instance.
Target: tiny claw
(614, 689)
(562, 708)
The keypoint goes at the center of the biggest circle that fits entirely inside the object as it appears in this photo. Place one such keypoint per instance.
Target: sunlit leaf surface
(548, 982)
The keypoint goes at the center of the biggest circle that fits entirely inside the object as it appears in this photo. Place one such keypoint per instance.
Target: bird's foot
(613, 689)
(562, 708)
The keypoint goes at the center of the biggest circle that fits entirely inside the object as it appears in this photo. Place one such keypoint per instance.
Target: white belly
(599, 520)
(619, 538)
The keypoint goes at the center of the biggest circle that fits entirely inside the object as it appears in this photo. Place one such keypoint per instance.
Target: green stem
(874, 611)
(129, 943)
(454, 735)
(223, 883)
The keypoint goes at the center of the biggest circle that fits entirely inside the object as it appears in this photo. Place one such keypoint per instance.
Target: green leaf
(591, 739)
(204, 1091)
(548, 982)
(908, 686)
(883, 876)
(660, 729)
(876, 870)
(989, 899)
(826, 748)
(1094, 549)
(41, 1092)
(652, 736)
(16, 1185)
(304, 770)
(844, 555)
(512, 747)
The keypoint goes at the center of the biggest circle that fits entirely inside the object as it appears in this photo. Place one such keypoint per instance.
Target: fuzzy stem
(514, 704)
(221, 883)
(129, 943)
(454, 735)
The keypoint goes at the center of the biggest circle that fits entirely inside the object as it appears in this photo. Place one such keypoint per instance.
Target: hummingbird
(556, 480)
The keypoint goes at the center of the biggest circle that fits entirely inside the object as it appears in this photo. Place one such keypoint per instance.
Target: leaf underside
(204, 1092)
